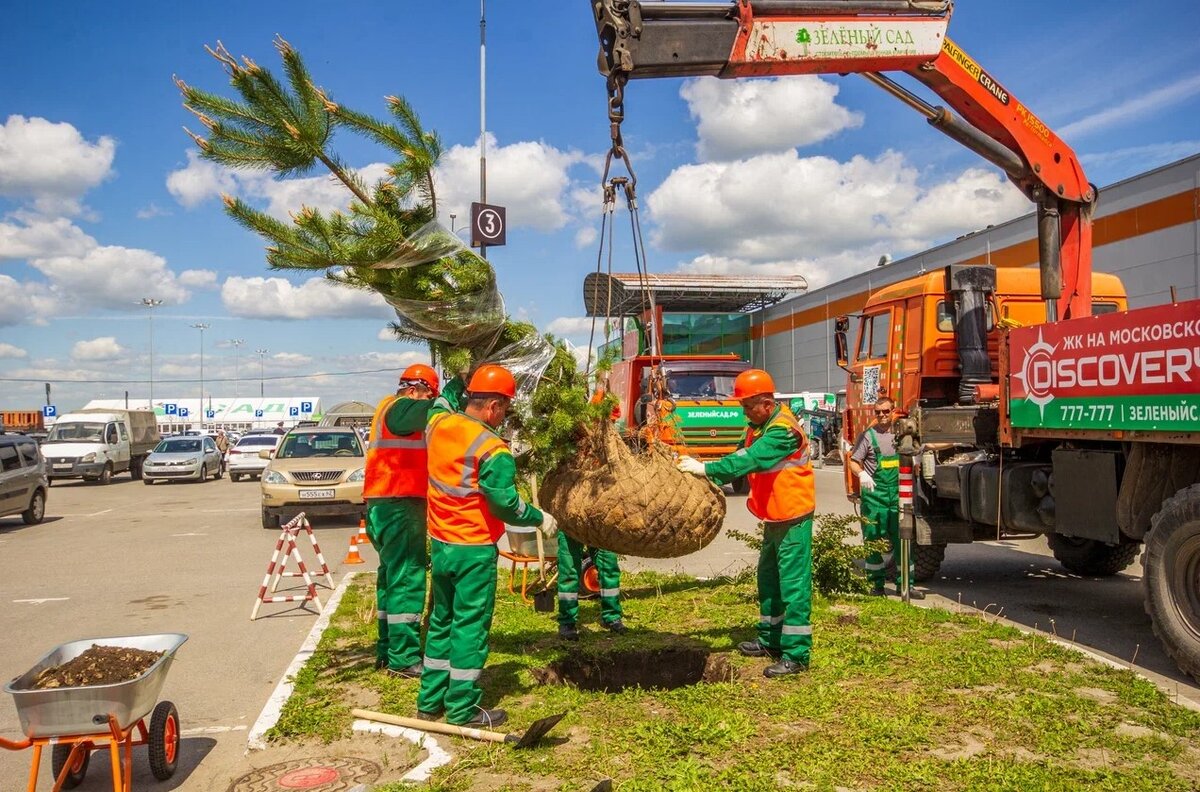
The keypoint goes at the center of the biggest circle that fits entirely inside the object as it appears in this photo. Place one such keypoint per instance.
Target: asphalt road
(129, 559)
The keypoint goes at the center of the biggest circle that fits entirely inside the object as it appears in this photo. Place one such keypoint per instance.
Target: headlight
(356, 476)
(271, 477)
(88, 457)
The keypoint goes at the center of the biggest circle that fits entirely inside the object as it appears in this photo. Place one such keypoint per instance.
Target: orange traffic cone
(352, 556)
(362, 537)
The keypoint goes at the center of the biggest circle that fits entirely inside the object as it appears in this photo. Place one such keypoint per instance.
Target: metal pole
(151, 304)
(237, 362)
(261, 357)
(201, 326)
(482, 113)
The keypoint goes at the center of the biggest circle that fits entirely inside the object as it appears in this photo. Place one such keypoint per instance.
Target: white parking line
(92, 514)
(42, 600)
(190, 534)
(212, 730)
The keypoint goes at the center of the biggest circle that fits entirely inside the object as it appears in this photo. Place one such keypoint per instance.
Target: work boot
(429, 716)
(412, 672)
(487, 718)
(783, 668)
(878, 592)
(568, 632)
(380, 663)
(617, 627)
(755, 649)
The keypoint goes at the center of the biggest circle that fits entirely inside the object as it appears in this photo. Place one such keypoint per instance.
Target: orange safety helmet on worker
(397, 464)
(751, 383)
(492, 379)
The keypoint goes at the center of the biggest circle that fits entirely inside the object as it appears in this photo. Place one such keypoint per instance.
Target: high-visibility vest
(457, 511)
(787, 491)
(396, 464)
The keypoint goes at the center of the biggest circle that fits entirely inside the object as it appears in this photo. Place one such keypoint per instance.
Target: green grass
(897, 698)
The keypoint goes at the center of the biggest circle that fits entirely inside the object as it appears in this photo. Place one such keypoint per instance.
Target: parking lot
(184, 557)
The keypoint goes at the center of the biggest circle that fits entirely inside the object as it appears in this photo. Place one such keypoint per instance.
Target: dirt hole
(663, 669)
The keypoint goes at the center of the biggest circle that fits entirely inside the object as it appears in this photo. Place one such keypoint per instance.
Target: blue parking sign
(305, 407)
(210, 414)
(183, 412)
(170, 409)
(258, 413)
(49, 411)
(293, 411)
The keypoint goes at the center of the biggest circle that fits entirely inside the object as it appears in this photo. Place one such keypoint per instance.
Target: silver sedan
(183, 458)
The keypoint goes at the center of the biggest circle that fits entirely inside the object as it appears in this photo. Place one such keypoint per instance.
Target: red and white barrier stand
(286, 548)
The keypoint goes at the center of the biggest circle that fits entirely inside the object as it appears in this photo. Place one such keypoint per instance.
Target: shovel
(530, 738)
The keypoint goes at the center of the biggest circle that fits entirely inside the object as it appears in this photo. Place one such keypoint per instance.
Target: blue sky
(102, 204)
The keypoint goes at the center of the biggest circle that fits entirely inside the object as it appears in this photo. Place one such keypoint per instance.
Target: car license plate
(310, 494)
(62, 465)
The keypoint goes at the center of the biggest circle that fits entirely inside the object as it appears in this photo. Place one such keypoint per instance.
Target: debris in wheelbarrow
(98, 665)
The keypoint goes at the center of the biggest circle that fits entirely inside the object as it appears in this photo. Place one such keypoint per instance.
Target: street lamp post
(237, 362)
(261, 356)
(150, 303)
(201, 326)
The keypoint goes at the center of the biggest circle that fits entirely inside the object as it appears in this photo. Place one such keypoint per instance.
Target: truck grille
(712, 435)
(317, 475)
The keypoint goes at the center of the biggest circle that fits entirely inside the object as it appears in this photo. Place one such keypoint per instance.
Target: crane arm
(769, 38)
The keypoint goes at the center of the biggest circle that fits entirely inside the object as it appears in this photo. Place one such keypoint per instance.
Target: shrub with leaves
(836, 564)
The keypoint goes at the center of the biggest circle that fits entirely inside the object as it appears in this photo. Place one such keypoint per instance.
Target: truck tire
(135, 469)
(1171, 576)
(1090, 557)
(740, 485)
(927, 560)
(106, 474)
(235, 477)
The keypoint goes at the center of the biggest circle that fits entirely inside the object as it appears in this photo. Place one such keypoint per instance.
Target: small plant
(836, 565)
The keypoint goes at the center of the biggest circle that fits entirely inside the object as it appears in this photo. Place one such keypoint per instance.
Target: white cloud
(198, 278)
(23, 302)
(291, 359)
(199, 181)
(585, 236)
(51, 164)
(151, 211)
(10, 351)
(737, 119)
(529, 178)
(1145, 105)
(386, 334)
(35, 236)
(278, 298)
(574, 325)
(102, 348)
(111, 276)
(831, 218)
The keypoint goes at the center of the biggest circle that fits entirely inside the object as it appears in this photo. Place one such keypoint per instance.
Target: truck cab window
(1101, 308)
(946, 317)
(875, 337)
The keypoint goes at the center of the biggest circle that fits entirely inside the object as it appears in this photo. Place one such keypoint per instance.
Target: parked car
(182, 458)
(243, 458)
(23, 481)
(317, 470)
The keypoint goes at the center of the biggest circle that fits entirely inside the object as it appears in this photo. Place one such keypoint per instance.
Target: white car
(243, 458)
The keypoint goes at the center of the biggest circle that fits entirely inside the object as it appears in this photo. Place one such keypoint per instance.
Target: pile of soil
(98, 665)
(634, 503)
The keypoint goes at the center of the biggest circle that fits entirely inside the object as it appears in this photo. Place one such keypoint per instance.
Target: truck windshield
(76, 433)
(692, 384)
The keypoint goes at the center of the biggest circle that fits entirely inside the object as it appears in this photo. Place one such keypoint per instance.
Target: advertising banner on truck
(1138, 370)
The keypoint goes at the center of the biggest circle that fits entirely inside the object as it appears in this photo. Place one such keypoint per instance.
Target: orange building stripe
(1146, 218)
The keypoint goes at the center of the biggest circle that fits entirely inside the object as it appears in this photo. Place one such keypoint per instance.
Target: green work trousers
(570, 571)
(456, 646)
(396, 528)
(785, 589)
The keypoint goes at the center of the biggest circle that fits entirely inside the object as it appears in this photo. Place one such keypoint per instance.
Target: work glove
(689, 465)
(549, 526)
(865, 482)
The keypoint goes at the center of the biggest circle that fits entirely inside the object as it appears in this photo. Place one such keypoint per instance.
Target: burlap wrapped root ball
(633, 503)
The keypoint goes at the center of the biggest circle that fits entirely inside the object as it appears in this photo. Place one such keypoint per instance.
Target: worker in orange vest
(774, 454)
(394, 485)
(472, 494)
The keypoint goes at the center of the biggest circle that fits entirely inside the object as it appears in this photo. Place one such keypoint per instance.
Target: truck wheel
(927, 560)
(1172, 577)
(740, 485)
(135, 469)
(269, 521)
(58, 760)
(37, 508)
(106, 474)
(235, 477)
(1090, 557)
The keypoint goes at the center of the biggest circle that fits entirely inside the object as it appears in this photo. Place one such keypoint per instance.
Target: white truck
(96, 444)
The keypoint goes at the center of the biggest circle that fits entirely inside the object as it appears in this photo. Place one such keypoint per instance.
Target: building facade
(179, 415)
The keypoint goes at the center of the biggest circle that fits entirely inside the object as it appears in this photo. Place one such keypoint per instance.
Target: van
(23, 483)
(94, 445)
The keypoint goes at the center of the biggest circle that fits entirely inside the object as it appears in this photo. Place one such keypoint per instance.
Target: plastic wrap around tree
(633, 503)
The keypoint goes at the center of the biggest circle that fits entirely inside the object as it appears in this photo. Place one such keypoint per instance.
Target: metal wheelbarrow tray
(60, 712)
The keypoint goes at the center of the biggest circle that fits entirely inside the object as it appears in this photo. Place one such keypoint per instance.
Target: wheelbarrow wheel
(58, 760)
(164, 740)
(590, 579)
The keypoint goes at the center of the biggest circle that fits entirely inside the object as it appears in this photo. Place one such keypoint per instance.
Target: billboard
(1138, 370)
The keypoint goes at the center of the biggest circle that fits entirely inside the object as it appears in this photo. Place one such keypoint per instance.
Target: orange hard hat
(419, 372)
(493, 379)
(753, 382)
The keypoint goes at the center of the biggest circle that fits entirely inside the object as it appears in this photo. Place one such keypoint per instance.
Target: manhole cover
(322, 774)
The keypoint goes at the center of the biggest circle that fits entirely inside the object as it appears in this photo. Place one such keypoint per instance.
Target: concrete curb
(274, 707)
(436, 758)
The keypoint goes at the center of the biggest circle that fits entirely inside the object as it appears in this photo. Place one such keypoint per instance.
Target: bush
(836, 566)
